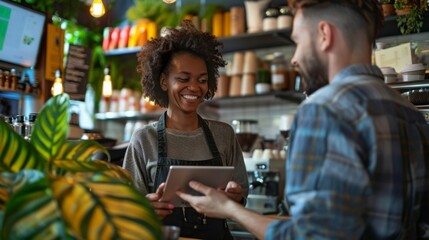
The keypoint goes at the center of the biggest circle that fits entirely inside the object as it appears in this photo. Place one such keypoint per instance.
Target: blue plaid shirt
(355, 144)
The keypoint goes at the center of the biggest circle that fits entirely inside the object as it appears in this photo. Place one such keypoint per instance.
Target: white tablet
(179, 177)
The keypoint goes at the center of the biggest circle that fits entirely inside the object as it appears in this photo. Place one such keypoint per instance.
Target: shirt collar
(358, 69)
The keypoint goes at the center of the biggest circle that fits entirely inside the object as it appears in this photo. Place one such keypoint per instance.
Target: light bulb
(57, 88)
(169, 1)
(97, 8)
(107, 86)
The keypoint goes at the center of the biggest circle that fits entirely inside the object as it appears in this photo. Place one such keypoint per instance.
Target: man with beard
(358, 157)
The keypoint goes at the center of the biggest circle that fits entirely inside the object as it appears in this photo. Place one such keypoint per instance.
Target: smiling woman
(178, 72)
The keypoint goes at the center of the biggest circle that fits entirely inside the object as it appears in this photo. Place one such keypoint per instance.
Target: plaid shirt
(355, 144)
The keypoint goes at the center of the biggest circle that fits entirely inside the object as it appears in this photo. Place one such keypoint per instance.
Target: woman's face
(186, 82)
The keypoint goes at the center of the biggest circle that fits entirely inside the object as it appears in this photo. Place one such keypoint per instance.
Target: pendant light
(107, 83)
(97, 8)
(169, 1)
(57, 88)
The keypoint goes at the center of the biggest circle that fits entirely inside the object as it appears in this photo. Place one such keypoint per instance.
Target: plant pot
(388, 10)
(404, 10)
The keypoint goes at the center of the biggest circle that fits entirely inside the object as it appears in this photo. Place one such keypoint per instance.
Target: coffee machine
(266, 184)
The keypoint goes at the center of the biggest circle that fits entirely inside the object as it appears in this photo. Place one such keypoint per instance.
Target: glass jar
(19, 125)
(30, 125)
(270, 19)
(279, 72)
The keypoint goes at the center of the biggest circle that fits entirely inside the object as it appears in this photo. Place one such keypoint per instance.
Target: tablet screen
(179, 177)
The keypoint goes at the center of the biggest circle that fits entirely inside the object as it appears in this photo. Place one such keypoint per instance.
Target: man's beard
(313, 72)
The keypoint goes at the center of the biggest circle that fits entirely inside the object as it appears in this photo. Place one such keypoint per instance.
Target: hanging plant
(154, 10)
(412, 21)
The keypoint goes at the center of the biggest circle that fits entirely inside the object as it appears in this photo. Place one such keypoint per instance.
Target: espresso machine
(266, 184)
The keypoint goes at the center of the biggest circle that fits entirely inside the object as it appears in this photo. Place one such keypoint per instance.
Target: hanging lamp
(97, 8)
(107, 89)
(57, 88)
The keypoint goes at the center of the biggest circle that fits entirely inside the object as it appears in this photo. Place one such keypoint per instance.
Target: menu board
(77, 71)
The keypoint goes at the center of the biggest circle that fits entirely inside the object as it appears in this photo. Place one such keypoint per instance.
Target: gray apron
(192, 224)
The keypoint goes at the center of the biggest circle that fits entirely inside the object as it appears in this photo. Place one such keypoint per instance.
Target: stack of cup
(249, 73)
(237, 71)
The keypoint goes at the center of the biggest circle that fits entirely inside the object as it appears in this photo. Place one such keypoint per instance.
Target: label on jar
(278, 79)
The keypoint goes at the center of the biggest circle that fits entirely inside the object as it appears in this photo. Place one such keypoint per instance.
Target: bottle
(279, 72)
(29, 125)
(9, 120)
(13, 79)
(6, 79)
(1, 78)
(19, 125)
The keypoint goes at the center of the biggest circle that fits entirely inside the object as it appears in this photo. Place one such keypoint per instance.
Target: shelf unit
(273, 98)
(130, 115)
(275, 38)
(258, 40)
(410, 85)
(21, 102)
(405, 86)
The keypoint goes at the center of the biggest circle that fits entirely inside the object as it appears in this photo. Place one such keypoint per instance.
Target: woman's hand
(161, 208)
(234, 191)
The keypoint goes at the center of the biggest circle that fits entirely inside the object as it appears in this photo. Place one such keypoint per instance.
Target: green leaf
(103, 208)
(80, 150)
(79, 169)
(15, 152)
(32, 213)
(51, 127)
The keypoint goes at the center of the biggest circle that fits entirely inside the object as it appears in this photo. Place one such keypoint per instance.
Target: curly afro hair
(155, 57)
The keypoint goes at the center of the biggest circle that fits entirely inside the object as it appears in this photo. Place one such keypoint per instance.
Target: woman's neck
(181, 121)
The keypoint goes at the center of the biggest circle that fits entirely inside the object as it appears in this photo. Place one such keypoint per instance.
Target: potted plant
(388, 8)
(412, 20)
(402, 7)
(50, 188)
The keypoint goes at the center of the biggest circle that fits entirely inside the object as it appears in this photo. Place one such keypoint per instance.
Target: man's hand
(214, 203)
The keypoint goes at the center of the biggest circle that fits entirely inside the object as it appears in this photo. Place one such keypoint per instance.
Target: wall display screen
(21, 31)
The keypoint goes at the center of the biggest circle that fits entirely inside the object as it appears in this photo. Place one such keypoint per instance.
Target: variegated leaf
(73, 168)
(15, 152)
(80, 150)
(12, 182)
(104, 208)
(51, 126)
(32, 213)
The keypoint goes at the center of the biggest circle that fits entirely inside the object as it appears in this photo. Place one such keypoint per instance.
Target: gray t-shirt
(141, 156)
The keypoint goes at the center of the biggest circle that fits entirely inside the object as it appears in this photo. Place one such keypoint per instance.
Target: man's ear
(325, 31)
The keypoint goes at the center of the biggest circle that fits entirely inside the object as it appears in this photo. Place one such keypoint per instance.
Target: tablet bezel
(179, 177)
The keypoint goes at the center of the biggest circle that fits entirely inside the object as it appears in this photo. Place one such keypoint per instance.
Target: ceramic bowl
(390, 75)
(413, 72)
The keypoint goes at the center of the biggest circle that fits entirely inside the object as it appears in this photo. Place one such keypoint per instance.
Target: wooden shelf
(273, 98)
(410, 84)
(129, 115)
(123, 51)
(257, 40)
(15, 93)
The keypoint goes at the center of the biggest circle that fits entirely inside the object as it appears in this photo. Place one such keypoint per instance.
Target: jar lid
(271, 12)
(284, 10)
(388, 71)
(278, 55)
(19, 118)
(414, 67)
